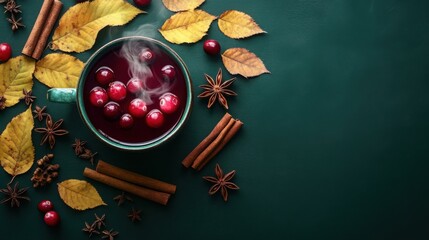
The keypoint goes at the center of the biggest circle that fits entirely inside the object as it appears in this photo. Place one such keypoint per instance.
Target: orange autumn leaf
(187, 27)
(242, 61)
(181, 5)
(236, 24)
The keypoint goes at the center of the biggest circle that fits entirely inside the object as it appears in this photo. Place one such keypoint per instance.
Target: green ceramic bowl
(77, 95)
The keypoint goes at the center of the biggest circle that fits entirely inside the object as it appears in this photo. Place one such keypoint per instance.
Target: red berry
(126, 121)
(211, 47)
(168, 103)
(5, 51)
(112, 110)
(155, 118)
(146, 56)
(45, 206)
(117, 91)
(104, 75)
(52, 218)
(168, 72)
(98, 97)
(137, 108)
(142, 2)
(135, 85)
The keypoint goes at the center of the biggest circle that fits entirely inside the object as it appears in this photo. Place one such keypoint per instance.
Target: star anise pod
(88, 155)
(78, 146)
(39, 113)
(50, 131)
(90, 229)
(14, 195)
(28, 98)
(2, 102)
(12, 7)
(16, 23)
(99, 221)
(221, 182)
(121, 198)
(134, 215)
(109, 234)
(217, 89)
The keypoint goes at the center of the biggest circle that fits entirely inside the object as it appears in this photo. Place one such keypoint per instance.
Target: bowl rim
(137, 146)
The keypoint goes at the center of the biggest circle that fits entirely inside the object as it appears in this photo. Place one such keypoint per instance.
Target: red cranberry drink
(135, 93)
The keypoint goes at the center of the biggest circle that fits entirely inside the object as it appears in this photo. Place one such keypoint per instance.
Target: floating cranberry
(126, 121)
(211, 47)
(137, 108)
(117, 91)
(112, 110)
(155, 118)
(146, 56)
(168, 103)
(142, 3)
(98, 96)
(168, 72)
(52, 218)
(45, 206)
(104, 75)
(135, 85)
(5, 52)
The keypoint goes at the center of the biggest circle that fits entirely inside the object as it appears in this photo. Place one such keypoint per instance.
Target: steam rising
(131, 50)
(152, 86)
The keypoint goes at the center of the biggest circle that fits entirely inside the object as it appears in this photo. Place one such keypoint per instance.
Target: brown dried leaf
(236, 24)
(242, 61)
(187, 27)
(16, 148)
(181, 5)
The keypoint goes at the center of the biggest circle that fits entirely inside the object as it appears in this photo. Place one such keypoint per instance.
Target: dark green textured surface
(334, 144)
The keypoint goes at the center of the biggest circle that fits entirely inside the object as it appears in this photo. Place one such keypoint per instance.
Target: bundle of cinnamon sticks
(221, 134)
(42, 28)
(131, 182)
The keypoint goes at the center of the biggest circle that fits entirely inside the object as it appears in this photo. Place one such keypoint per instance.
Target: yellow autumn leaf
(242, 61)
(187, 27)
(181, 5)
(79, 194)
(236, 24)
(79, 26)
(58, 70)
(16, 148)
(15, 76)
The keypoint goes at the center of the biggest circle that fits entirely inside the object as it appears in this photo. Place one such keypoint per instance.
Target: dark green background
(334, 144)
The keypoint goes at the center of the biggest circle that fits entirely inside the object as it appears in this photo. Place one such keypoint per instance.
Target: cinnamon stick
(48, 26)
(135, 178)
(37, 28)
(211, 147)
(231, 133)
(189, 160)
(149, 194)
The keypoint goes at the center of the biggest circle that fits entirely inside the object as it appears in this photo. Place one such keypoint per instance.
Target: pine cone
(45, 173)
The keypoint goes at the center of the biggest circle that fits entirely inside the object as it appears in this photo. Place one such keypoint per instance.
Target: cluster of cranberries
(111, 93)
(51, 217)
